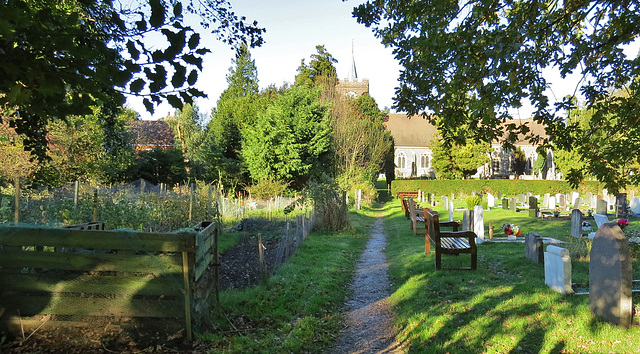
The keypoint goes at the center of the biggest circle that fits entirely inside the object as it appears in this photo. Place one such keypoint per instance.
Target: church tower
(352, 86)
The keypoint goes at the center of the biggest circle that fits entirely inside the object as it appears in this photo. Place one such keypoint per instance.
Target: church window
(424, 161)
(401, 160)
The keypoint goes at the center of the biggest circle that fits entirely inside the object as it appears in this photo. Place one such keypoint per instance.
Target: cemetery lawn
(503, 306)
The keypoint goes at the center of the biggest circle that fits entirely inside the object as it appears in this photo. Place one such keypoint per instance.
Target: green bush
(472, 201)
(268, 188)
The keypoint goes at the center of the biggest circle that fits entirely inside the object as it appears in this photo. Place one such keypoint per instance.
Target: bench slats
(448, 242)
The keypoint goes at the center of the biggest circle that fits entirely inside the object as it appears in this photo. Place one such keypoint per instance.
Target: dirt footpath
(369, 325)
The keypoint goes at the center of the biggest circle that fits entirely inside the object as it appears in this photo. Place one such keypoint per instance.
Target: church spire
(353, 75)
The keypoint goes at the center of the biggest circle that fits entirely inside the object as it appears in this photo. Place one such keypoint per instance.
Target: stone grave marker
(632, 194)
(521, 198)
(533, 247)
(576, 223)
(601, 207)
(513, 202)
(533, 207)
(450, 207)
(478, 223)
(505, 203)
(552, 202)
(577, 203)
(529, 195)
(467, 220)
(545, 201)
(573, 197)
(491, 200)
(499, 194)
(610, 276)
(588, 196)
(557, 269)
(446, 201)
(634, 205)
(562, 201)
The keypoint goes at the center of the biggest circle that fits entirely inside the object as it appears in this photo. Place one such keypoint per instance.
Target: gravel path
(369, 325)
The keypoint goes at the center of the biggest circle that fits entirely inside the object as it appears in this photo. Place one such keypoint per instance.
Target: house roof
(417, 131)
(150, 133)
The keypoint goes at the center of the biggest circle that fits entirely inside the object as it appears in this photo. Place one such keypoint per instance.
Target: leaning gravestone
(478, 223)
(557, 269)
(610, 276)
(533, 247)
(576, 223)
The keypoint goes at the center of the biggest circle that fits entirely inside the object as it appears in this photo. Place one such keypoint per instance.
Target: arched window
(424, 161)
(402, 159)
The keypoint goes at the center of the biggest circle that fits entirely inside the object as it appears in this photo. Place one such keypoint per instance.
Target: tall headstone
(601, 207)
(577, 203)
(552, 202)
(562, 201)
(446, 201)
(576, 223)
(593, 202)
(557, 269)
(621, 204)
(521, 198)
(478, 223)
(513, 202)
(533, 207)
(505, 203)
(533, 247)
(588, 196)
(634, 205)
(467, 220)
(545, 201)
(573, 197)
(491, 200)
(450, 207)
(499, 194)
(610, 276)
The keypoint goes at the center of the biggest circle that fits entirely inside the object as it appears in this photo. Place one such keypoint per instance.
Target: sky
(294, 29)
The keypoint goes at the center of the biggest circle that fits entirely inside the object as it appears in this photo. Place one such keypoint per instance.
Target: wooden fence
(92, 276)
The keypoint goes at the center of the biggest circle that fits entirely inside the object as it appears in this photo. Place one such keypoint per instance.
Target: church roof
(417, 131)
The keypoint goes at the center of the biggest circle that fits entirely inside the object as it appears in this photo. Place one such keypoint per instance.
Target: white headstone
(573, 197)
(491, 200)
(557, 269)
(545, 201)
(634, 205)
(552, 202)
(451, 210)
(478, 223)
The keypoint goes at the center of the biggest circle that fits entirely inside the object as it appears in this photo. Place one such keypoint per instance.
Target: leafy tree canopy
(61, 58)
(471, 62)
(320, 69)
(459, 161)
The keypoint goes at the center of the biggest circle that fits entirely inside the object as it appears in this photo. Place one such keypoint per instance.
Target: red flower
(508, 231)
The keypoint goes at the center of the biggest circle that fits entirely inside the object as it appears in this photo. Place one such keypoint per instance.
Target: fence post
(16, 212)
(95, 205)
(187, 293)
(190, 200)
(75, 194)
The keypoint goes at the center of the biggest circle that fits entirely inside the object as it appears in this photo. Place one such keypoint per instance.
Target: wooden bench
(416, 216)
(449, 242)
(404, 196)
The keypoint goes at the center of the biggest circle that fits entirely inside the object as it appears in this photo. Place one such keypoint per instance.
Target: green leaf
(193, 77)
(194, 40)
(175, 101)
(148, 105)
(157, 13)
(141, 25)
(136, 85)
(192, 59)
(178, 78)
(133, 51)
(177, 9)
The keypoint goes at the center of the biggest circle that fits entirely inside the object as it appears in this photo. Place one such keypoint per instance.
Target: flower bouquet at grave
(623, 223)
(586, 226)
(511, 229)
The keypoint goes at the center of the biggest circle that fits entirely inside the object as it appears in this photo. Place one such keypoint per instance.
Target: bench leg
(438, 260)
(427, 244)
(474, 261)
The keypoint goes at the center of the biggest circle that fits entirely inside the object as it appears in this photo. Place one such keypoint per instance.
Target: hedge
(507, 186)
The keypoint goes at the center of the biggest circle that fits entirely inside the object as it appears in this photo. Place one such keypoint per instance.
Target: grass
(502, 307)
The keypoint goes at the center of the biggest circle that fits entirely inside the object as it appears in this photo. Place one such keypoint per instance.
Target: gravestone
(450, 207)
(573, 197)
(446, 201)
(610, 276)
(521, 198)
(491, 200)
(577, 203)
(467, 220)
(576, 223)
(621, 204)
(611, 202)
(433, 199)
(545, 201)
(528, 195)
(588, 196)
(632, 194)
(562, 201)
(601, 207)
(533, 207)
(533, 247)
(605, 192)
(513, 202)
(557, 269)
(634, 205)
(552, 202)
(505, 203)
(478, 223)
(499, 194)
(593, 203)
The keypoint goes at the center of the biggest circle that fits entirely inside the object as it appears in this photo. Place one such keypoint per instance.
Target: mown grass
(299, 308)
(504, 306)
